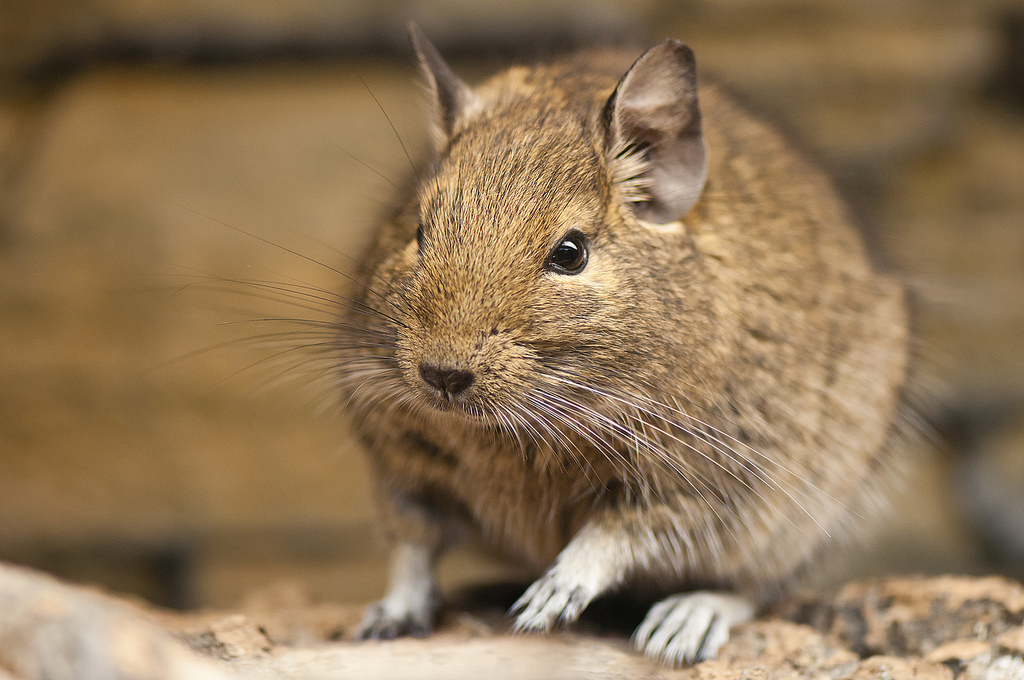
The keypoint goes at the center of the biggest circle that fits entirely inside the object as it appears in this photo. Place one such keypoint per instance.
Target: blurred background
(154, 153)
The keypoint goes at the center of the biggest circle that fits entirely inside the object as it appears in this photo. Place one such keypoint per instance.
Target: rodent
(627, 334)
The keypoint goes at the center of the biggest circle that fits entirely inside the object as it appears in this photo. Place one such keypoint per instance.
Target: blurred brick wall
(136, 139)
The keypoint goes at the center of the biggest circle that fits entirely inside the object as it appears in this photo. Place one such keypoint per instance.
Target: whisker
(408, 156)
(290, 251)
(316, 299)
(652, 449)
(361, 161)
(728, 452)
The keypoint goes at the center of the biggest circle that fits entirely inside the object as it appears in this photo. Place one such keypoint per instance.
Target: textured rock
(899, 629)
(49, 630)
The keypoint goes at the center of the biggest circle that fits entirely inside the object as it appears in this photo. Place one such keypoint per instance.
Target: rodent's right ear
(654, 109)
(451, 97)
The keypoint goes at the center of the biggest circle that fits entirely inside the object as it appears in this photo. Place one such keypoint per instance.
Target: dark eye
(569, 256)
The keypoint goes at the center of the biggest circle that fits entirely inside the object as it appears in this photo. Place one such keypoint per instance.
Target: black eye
(569, 256)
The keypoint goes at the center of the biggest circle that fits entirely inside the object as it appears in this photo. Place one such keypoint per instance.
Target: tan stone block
(952, 224)
(126, 204)
(921, 531)
(335, 564)
(871, 128)
(763, 11)
(817, 59)
(39, 31)
(10, 125)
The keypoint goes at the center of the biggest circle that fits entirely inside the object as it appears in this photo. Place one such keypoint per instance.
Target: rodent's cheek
(503, 374)
(600, 274)
(573, 309)
(408, 352)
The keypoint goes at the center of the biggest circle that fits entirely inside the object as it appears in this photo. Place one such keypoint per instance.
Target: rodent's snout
(474, 376)
(449, 382)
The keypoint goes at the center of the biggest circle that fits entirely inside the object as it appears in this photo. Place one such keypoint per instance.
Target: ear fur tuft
(654, 113)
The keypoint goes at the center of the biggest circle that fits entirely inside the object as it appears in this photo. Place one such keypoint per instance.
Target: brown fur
(749, 361)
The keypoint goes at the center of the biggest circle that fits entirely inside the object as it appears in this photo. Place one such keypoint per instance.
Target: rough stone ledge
(940, 628)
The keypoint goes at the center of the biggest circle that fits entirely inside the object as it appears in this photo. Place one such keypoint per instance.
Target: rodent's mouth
(460, 407)
(467, 407)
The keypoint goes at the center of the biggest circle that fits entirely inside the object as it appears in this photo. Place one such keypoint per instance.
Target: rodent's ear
(654, 111)
(451, 97)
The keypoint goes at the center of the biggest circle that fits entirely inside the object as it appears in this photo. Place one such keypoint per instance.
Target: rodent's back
(819, 338)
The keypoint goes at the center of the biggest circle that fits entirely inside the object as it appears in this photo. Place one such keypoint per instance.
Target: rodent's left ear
(654, 109)
(451, 96)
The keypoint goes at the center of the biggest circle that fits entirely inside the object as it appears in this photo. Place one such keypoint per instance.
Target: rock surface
(900, 628)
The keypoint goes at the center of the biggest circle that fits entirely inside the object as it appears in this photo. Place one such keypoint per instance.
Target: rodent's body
(706, 404)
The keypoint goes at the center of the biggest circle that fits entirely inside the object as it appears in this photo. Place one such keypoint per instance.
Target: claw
(690, 627)
(547, 602)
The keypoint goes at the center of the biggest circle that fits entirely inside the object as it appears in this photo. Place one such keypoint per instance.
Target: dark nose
(449, 381)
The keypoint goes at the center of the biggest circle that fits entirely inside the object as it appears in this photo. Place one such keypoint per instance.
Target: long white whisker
(763, 475)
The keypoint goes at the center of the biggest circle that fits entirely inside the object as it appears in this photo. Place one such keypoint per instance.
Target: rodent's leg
(411, 599)
(418, 535)
(690, 627)
(593, 562)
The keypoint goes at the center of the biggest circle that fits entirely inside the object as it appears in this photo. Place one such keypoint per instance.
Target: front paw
(550, 600)
(690, 627)
(387, 620)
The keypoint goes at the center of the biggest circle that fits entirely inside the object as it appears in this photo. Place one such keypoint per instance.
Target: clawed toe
(690, 627)
(548, 602)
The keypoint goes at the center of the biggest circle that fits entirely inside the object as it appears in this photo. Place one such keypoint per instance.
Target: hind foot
(690, 627)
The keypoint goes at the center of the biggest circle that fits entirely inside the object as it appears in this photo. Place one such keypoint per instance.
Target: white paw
(690, 627)
(389, 619)
(551, 599)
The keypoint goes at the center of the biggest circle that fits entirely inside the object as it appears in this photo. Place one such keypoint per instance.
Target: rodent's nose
(448, 381)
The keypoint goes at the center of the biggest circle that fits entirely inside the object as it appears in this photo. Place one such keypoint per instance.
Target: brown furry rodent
(627, 339)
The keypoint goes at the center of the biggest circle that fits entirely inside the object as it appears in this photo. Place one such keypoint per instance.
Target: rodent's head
(549, 255)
